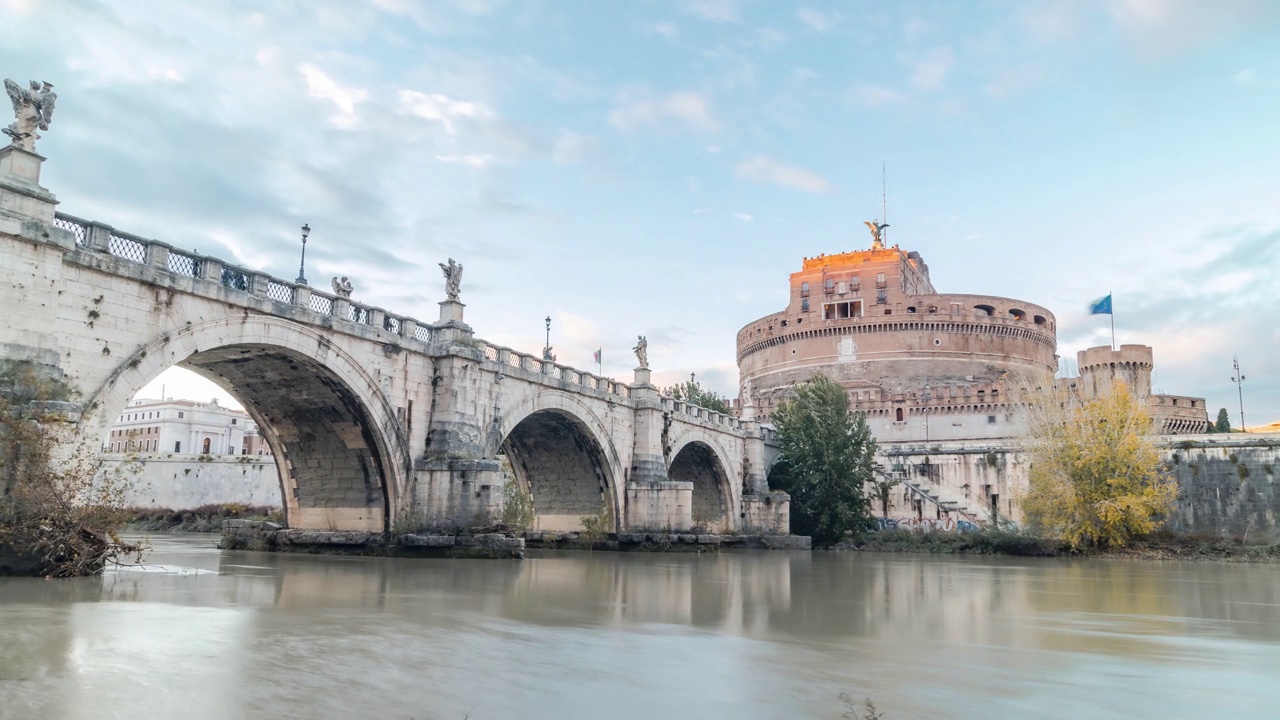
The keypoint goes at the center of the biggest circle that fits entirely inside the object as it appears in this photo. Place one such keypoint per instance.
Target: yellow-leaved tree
(1096, 478)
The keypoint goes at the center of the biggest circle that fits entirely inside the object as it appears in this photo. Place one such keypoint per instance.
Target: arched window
(981, 310)
(207, 442)
(898, 414)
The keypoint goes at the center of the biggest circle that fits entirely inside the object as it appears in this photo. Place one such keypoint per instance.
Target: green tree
(1096, 477)
(828, 457)
(1224, 422)
(692, 392)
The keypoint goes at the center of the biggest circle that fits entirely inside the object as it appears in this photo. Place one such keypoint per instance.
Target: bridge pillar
(654, 501)
(455, 484)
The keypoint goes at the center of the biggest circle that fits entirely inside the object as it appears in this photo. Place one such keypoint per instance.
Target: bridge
(373, 416)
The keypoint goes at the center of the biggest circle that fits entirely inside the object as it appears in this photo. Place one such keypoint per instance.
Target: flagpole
(1113, 320)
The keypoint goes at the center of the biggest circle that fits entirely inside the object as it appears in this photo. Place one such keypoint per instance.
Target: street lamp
(1238, 378)
(302, 276)
(546, 350)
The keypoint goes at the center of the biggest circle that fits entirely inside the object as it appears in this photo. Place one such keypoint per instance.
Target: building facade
(184, 427)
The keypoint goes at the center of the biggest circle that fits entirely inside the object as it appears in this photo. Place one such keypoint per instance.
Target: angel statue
(642, 351)
(877, 242)
(33, 110)
(452, 278)
(342, 287)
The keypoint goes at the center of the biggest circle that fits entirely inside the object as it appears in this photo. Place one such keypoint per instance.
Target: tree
(1096, 477)
(828, 456)
(693, 393)
(1224, 422)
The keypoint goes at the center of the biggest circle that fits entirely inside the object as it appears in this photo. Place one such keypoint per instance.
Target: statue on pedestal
(342, 287)
(876, 227)
(642, 351)
(33, 110)
(452, 278)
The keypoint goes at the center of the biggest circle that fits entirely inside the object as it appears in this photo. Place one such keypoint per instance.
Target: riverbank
(995, 542)
(206, 518)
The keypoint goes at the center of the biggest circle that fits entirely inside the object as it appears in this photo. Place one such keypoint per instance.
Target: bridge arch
(699, 457)
(562, 453)
(341, 453)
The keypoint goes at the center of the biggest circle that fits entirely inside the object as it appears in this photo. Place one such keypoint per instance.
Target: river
(201, 633)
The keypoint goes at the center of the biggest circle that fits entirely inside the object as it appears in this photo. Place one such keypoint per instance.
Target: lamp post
(1238, 378)
(302, 276)
(546, 349)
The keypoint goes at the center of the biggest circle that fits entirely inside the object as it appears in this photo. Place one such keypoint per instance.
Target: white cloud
(819, 20)
(1163, 26)
(475, 161)
(721, 11)
(743, 217)
(441, 109)
(570, 147)
(875, 96)
(668, 30)
(344, 98)
(688, 107)
(764, 169)
(1246, 77)
(930, 71)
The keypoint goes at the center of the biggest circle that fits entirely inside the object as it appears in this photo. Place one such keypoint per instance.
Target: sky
(659, 168)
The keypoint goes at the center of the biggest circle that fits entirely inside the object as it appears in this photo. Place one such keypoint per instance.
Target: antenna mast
(884, 196)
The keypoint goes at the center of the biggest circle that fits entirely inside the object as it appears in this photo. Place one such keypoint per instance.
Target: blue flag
(1101, 306)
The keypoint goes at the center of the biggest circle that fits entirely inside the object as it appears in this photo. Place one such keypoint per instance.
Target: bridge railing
(94, 236)
(534, 364)
(680, 407)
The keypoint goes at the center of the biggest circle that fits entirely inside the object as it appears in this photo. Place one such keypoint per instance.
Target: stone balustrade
(97, 237)
(537, 366)
(698, 413)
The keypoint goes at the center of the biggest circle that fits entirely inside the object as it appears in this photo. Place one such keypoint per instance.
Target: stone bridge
(373, 416)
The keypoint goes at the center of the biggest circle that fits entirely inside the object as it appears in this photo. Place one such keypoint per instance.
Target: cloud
(668, 30)
(1248, 78)
(570, 147)
(719, 11)
(441, 109)
(743, 217)
(764, 169)
(345, 99)
(475, 161)
(819, 20)
(877, 96)
(689, 108)
(931, 70)
(1158, 27)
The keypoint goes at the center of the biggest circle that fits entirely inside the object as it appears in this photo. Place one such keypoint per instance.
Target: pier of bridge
(372, 415)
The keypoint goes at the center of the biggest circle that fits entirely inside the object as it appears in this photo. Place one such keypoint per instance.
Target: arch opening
(331, 461)
(557, 460)
(697, 463)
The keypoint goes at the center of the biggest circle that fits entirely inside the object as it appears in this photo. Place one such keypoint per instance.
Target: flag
(597, 356)
(1101, 306)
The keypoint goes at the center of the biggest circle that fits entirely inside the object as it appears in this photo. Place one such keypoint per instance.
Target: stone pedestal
(451, 328)
(20, 191)
(663, 505)
(642, 377)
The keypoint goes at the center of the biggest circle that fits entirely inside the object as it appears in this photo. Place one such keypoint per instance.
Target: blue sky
(659, 168)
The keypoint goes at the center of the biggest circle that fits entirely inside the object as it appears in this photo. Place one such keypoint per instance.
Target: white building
(183, 427)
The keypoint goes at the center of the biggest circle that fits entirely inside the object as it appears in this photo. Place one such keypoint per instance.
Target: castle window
(804, 289)
(898, 415)
(991, 419)
(911, 309)
(1017, 314)
(880, 281)
(853, 283)
(882, 297)
(784, 324)
(181, 414)
(177, 447)
(829, 285)
(804, 305)
(984, 310)
(1039, 319)
(933, 309)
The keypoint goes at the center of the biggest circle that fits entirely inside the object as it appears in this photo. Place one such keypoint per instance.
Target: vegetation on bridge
(56, 518)
(1096, 480)
(827, 460)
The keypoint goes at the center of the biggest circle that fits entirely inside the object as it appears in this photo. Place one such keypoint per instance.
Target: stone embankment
(261, 535)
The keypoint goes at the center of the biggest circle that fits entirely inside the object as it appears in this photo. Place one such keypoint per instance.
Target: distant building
(184, 427)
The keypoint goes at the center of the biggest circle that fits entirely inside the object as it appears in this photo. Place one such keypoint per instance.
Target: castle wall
(184, 482)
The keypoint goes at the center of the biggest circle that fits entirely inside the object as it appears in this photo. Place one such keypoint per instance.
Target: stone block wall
(766, 514)
(659, 505)
(1229, 485)
(184, 482)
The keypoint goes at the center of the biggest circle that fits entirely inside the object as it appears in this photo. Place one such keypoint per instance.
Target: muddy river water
(201, 633)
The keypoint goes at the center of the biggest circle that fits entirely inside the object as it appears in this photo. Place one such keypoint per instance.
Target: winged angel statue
(33, 109)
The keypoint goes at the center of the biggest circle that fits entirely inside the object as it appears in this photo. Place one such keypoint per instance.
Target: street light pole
(302, 276)
(1238, 379)
(546, 349)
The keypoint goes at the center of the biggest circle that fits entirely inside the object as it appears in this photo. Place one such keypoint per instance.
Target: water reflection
(752, 634)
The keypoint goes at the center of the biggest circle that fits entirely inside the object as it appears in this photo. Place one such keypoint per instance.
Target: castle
(937, 374)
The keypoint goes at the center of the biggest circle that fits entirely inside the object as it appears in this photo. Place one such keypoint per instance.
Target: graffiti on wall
(945, 525)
